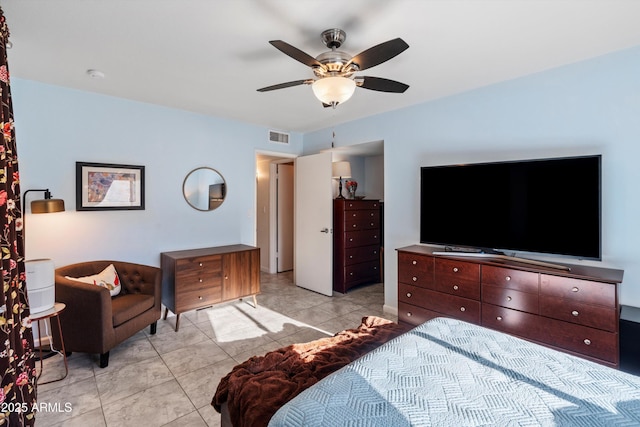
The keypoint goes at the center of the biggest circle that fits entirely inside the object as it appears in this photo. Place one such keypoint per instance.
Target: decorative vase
(351, 187)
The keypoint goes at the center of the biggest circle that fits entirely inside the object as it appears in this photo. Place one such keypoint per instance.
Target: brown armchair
(95, 322)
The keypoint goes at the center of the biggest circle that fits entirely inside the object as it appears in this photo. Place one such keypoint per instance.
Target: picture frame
(105, 186)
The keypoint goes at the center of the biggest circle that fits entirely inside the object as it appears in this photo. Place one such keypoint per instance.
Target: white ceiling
(210, 56)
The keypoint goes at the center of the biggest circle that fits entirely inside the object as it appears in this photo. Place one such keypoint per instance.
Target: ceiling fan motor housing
(334, 62)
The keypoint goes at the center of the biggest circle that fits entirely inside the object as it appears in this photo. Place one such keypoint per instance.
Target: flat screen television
(547, 206)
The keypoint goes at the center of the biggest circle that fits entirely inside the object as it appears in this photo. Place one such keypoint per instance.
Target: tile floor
(169, 379)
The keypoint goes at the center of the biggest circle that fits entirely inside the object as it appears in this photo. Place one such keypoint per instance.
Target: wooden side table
(50, 314)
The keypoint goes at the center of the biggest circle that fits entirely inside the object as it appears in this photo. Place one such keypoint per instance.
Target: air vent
(279, 137)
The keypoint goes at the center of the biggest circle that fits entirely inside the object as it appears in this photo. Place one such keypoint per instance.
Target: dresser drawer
(415, 269)
(524, 281)
(362, 215)
(361, 272)
(362, 238)
(591, 342)
(510, 298)
(362, 253)
(449, 305)
(353, 224)
(454, 270)
(525, 325)
(456, 277)
(583, 291)
(198, 265)
(462, 288)
(583, 314)
(361, 205)
(194, 274)
(197, 298)
(415, 315)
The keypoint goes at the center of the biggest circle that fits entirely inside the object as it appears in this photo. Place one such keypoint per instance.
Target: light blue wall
(585, 108)
(55, 127)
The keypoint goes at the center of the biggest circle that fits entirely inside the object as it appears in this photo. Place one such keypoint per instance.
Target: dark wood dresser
(356, 243)
(575, 311)
(198, 278)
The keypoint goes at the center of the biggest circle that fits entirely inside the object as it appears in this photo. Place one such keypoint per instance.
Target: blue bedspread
(450, 373)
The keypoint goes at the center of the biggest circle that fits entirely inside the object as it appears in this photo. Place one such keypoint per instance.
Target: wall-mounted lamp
(340, 170)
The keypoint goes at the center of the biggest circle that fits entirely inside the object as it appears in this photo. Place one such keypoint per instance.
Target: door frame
(277, 158)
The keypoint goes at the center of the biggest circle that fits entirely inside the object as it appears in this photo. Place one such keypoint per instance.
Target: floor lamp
(40, 273)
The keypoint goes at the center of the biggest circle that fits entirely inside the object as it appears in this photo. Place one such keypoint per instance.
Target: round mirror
(204, 189)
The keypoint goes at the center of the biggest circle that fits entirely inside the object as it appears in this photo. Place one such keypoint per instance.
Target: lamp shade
(47, 206)
(341, 170)
(334, 90)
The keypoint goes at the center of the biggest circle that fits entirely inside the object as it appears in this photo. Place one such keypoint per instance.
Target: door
(314, 223)
(284, 245)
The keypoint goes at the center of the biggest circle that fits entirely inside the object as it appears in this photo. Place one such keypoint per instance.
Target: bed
(447, 372)
(254, 390)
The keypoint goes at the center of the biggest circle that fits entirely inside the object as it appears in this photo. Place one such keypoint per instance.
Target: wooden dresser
(356, 243)
(574, 311)
(198, 278)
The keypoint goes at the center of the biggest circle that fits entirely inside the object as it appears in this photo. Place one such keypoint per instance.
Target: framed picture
(101, 187)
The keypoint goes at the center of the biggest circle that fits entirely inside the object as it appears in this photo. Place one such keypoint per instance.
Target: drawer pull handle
(371, 214)
(409, 314)
(587, 341)
(408, 294)
(509, 298)
(575, 313)
(455, 287)
(414, 262)
(375, 252)
(575, 289)
(200, 264)
(375, 237)
(200, 280)
(350, 256)
(508, 278)
(455, 269)
(414, 278)
(354, 226)
(350, 274)
(200, 298)
(463, 309)
(372, 224)
(351, 239)
(499, 318)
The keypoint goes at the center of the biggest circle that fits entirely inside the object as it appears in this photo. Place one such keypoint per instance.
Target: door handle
(324, 230)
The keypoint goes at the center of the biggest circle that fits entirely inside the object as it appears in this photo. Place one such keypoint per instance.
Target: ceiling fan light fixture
(333, 90)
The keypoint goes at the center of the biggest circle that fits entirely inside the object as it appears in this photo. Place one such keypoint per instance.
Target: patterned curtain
(17, 363)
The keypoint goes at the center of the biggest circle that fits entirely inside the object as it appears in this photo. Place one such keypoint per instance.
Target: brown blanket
(257, 388)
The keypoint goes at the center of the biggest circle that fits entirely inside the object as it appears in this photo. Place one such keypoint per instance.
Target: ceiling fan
(335, 70)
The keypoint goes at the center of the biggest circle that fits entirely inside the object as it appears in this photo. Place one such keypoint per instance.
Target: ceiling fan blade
(378, 54)
(296, 53)
(287, 84)
(382, 85)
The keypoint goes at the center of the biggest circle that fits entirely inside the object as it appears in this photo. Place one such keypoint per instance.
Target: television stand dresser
(575, 311)
(198, 278)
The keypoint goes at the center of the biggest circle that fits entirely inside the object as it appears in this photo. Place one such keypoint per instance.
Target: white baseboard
(390, 310)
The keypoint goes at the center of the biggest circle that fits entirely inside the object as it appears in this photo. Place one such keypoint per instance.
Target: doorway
(274, 212)
(368, 168)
